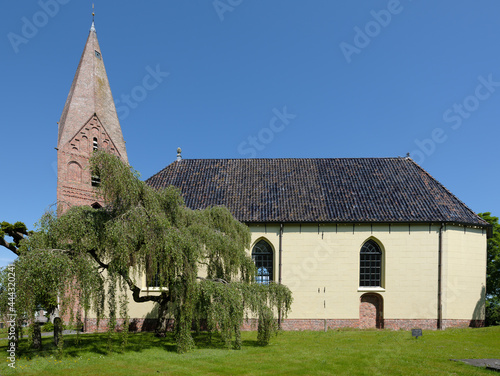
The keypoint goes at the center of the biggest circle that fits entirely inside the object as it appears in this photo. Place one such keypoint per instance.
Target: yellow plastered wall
(320, 264)
(464, 272)
(135, 310)
(144, 309)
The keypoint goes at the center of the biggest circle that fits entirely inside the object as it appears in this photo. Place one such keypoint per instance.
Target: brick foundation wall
(431, 324)
(135, 325)
(398, 324)
(463, 324)
(149, 325)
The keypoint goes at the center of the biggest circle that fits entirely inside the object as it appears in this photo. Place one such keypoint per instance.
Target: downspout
(440, 271)
(280, 252)
(279, 268)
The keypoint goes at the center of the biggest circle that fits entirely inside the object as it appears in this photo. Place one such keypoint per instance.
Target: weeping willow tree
(197, 256)
(44, 275)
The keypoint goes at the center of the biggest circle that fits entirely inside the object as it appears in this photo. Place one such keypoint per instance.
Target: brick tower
(88, 122)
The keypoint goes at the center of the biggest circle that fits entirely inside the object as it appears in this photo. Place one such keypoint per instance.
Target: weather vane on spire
(92, 28)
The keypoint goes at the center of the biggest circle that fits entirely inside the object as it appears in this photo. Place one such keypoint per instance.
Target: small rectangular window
(96, 181)
(97, 54)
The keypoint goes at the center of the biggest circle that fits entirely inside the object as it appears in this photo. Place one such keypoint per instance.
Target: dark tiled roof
(316, 190)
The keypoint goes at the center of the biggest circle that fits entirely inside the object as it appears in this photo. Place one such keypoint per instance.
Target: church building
(361, 242)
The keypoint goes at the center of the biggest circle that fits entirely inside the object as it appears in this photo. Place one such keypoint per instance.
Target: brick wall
(74, 186)
(135, 325)
(149, 325)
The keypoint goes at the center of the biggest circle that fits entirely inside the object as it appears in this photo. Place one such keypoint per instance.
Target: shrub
(48, 327)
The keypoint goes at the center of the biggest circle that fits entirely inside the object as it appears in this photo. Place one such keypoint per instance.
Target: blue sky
(260, 78)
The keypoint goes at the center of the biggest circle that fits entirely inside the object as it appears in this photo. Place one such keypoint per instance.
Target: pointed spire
(90, 94)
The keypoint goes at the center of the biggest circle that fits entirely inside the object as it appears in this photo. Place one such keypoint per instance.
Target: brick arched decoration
(371, 311)
(74, 172)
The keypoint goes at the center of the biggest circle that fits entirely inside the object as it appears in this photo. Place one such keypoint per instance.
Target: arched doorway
(371, 314)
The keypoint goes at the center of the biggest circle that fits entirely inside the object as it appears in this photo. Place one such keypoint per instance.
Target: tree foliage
(493, 271)
(198, 256)
(16, 231)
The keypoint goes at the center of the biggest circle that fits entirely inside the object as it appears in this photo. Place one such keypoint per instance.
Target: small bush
(48, 327)
(493, 312)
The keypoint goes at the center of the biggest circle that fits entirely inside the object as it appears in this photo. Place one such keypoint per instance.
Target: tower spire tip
(92, 28)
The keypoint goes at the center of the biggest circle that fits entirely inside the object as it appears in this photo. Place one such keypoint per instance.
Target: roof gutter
(486, 226)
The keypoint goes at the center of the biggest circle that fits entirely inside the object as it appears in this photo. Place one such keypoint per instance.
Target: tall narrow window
(96, 180)
(262, 255)
(152, 275)
(370, 265)
(154, 280)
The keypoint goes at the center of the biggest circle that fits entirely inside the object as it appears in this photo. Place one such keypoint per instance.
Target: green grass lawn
(344, 352)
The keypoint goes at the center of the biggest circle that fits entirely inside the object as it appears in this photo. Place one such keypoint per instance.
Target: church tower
(88, 122)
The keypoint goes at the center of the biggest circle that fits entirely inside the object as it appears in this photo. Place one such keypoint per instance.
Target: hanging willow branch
(142, 231)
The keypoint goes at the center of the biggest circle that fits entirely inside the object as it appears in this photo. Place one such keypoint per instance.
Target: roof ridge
(291, 158)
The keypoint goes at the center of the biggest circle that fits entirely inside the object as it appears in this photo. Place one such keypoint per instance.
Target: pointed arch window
(370, 265)
(263, 257)
(95, 145)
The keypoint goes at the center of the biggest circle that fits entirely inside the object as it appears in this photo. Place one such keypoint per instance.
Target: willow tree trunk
(163, 316)
(58, 330)
(37, 336)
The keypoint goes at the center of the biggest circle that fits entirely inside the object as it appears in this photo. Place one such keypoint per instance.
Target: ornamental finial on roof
(179, 157)
(92, 28)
